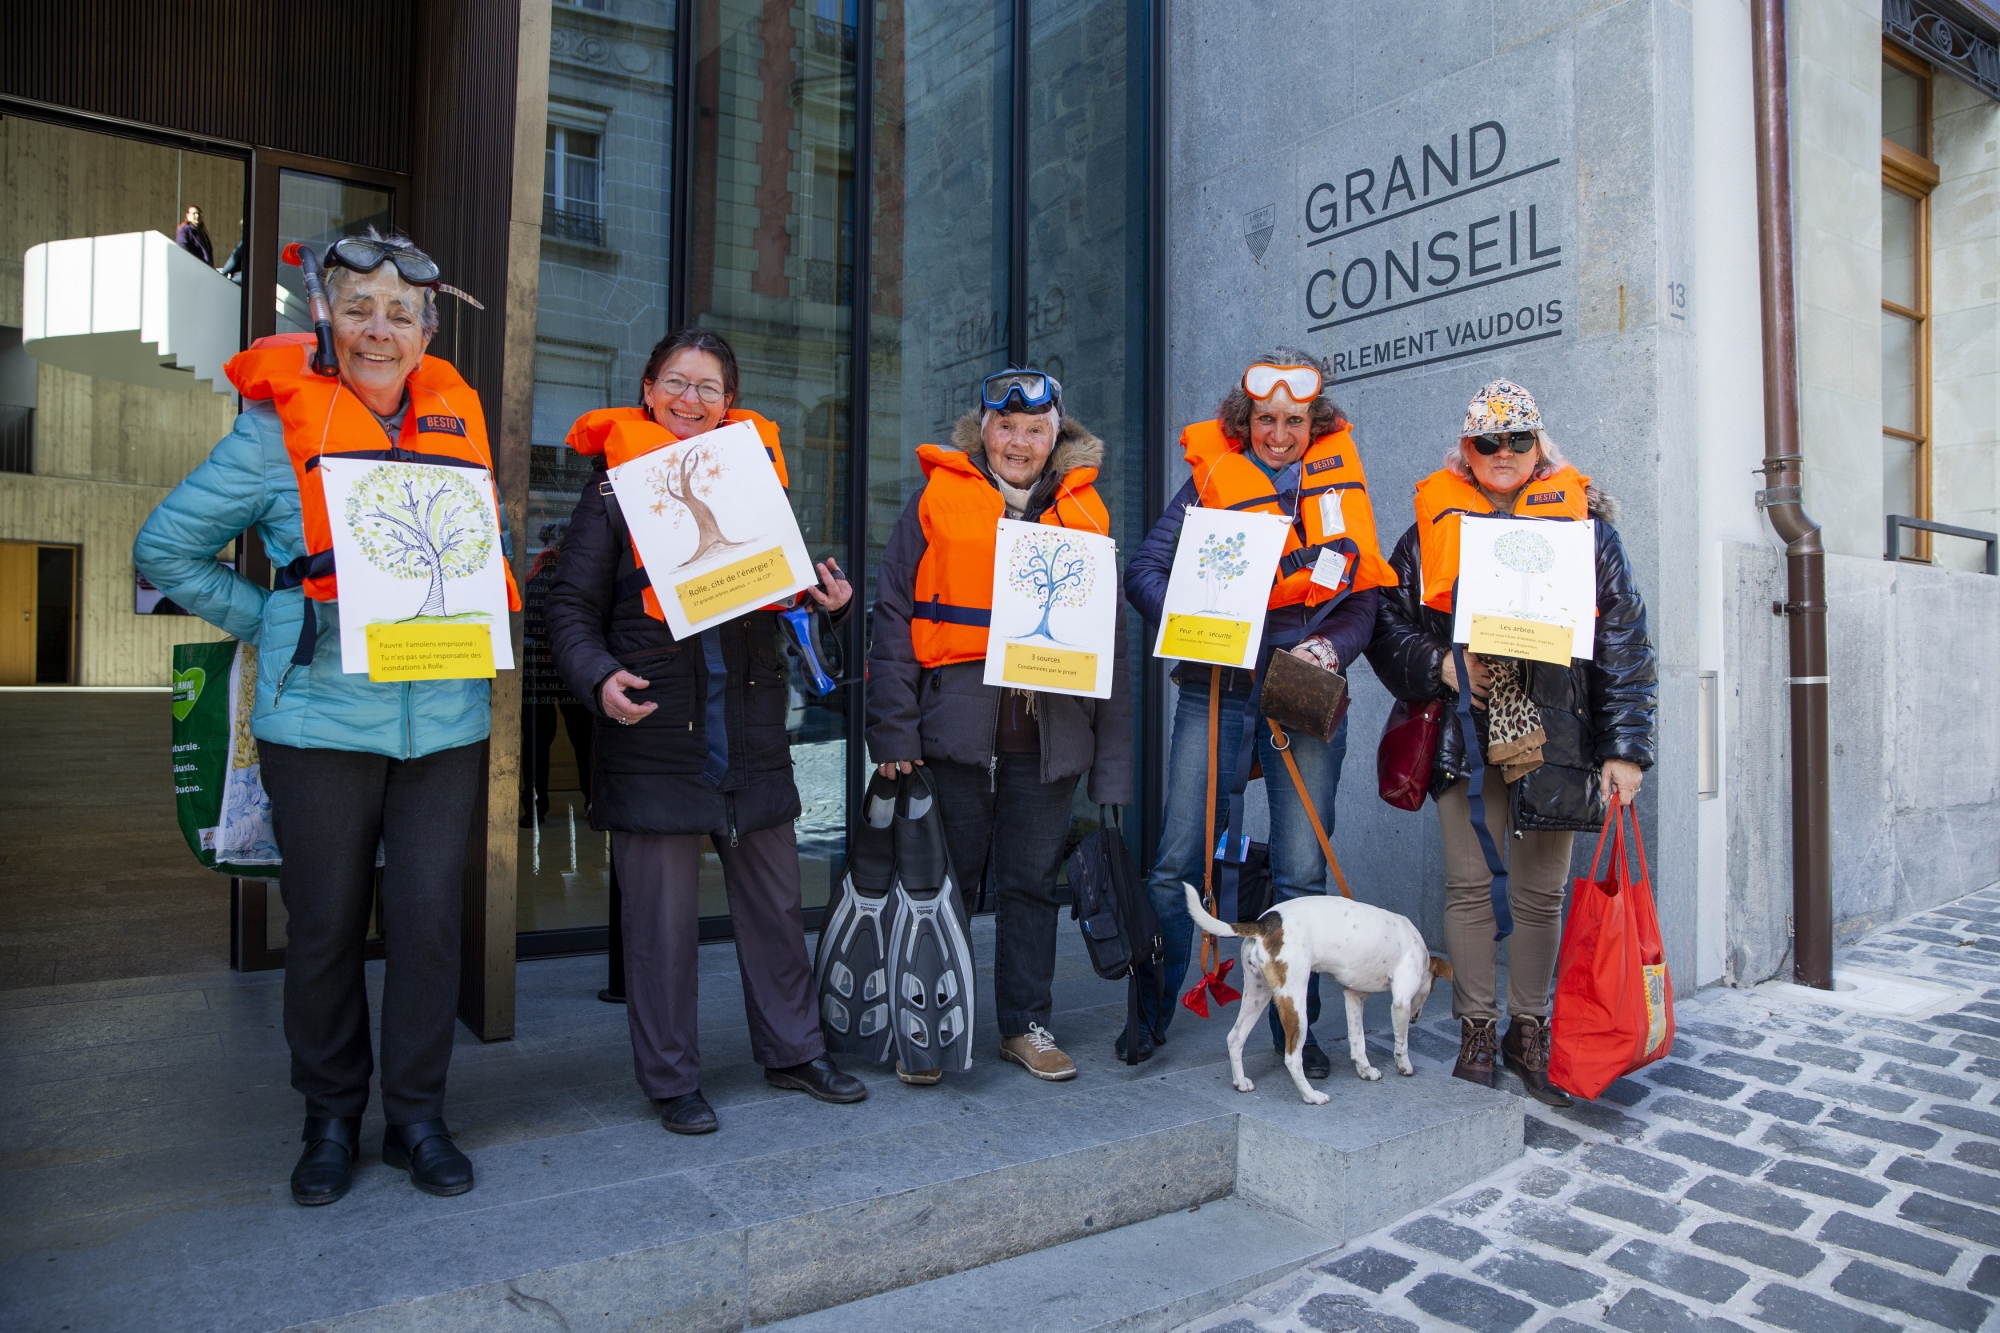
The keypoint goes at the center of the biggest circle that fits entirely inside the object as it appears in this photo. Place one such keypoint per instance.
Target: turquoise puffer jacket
(248, 482)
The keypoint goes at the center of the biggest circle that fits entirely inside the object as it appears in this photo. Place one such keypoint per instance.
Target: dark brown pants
(659, 875)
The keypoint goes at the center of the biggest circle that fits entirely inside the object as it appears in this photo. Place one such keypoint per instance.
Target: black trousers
(1022, 822)
(330, 808)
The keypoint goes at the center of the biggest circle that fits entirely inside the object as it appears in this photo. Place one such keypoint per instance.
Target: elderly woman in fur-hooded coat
(1005, 761)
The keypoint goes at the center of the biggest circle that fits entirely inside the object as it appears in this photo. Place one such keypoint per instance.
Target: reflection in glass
(1899, 372)
(319, 210)
(1899, 487)
(1903, 111)
(1900, 217)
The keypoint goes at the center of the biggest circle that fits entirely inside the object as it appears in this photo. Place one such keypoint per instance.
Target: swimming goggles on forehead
(1020, 391)
(1263, 379)
(1520, 441)
(362, 255)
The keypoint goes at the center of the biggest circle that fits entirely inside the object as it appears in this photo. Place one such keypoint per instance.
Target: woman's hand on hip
(901, 766)
(834, 590)
(1621, 778)
(612, 698)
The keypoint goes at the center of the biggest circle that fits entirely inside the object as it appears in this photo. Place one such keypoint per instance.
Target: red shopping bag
(1614, 1009)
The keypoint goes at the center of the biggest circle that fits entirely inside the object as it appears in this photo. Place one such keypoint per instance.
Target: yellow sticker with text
(1067, 668)
(428, 650)
(753, 579)
(1504, 636)
(1206, 639)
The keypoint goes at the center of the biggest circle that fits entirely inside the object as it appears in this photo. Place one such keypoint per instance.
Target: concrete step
(1149, 1276)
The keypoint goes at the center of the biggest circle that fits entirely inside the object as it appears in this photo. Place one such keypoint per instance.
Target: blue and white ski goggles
(1020, 391)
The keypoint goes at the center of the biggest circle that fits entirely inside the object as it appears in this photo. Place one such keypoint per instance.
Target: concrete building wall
(1965, 304)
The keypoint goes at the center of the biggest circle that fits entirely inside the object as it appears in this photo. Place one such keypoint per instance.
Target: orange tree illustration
(417, 522)
(685, 483)
(1050, 570)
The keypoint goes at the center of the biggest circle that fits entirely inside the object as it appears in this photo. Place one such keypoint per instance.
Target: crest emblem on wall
(1257, 228)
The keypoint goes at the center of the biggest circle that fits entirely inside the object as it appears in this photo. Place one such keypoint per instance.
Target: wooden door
(18, 575)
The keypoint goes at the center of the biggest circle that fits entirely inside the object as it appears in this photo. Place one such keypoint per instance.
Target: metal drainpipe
(1804, 607)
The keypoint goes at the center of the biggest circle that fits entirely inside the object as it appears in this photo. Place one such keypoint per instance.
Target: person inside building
(1005, 761)
(1277, 445)
(544, 697)
(350, 765)
(1560, 742)
(192, 237)
(691, 745)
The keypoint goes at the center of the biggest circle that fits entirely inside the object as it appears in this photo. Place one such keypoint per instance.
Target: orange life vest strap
(1444, 496)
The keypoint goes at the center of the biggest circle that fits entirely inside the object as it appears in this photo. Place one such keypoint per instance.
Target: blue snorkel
(807, 629)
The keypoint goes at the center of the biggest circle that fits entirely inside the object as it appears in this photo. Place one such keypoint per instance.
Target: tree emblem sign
(683, 487)
(1050, 570)
(1527, 553)
(421, 522)
(1220, 562)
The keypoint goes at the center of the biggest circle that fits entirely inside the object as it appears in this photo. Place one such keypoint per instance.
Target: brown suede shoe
(1525, 1049)
(1039, 1055)
(1477, 1041)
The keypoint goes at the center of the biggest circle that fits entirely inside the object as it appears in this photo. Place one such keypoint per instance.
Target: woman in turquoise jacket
(351, 766)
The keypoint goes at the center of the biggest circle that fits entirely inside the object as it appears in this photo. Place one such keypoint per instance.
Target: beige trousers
(1537, 874)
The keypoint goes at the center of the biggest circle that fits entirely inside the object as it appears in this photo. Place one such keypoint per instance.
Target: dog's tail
(1250, 929)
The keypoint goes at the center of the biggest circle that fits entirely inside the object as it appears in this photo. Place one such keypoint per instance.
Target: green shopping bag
(219, 798)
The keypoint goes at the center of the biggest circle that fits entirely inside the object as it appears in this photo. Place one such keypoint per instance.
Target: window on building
(1908, 175)
(17, 403)
(570, 202)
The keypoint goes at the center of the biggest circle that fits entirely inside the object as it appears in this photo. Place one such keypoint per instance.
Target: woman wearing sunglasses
(350, 765)
(1005, 761)
(1278, 445)
(1561, 741)
(691, 745)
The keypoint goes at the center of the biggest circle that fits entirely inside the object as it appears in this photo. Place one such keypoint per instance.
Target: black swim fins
(930, 951)
(851, 968)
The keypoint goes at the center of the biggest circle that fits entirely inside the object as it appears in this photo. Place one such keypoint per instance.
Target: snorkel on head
(323, 360)
(362, 254)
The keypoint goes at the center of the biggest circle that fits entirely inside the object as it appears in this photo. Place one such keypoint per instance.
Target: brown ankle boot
(1477, 1042)
(1525, 1049)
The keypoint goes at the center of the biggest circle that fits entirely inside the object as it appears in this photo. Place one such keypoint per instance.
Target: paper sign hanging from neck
(713, 527)
(1055, 610)
(1527, 588)
(1220, 586)
(423, 588)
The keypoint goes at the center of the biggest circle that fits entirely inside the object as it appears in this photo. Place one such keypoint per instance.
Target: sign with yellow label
(430, 651)
(1199, 638)
(1034, 667)
(1054, 623)
(750, 581)
(1503, 636)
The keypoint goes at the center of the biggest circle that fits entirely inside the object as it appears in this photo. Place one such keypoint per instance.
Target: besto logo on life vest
(441, 425)
(1546, 498)
(1325, 465)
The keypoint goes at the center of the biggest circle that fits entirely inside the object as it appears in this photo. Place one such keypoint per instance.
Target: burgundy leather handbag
(1408, 749)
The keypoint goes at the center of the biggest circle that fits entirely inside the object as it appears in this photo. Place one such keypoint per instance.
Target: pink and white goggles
(1263, 379)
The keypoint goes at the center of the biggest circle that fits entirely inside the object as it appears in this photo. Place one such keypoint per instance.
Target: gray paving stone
(1909, 1050)
(1888, 1131)
(1965, 1118)
(1604, 1120)
(1441, 1237)
(1475, 1204)
(1955, 1219)
(1554, 1227)
(1805, 1141)
(1985, 1066)
(1236, 1326)
(1944, 1178)
(1689, 1274)
(1759, 1203)
(1781, 1254)
(1539, 1133)
(1641, 1311)
(1721, 1119)
(1562, 1325)
(1985, 1027)
(1826, 1182)
(1975, 1152)
(1915, 1032)
(1854, 1232)
(1637, 1167)
(1827, 1057)
(1801, 1110)
(1332, 1313)
(1540, 1279)
(1928, 1080)
(1429, 1043)
(1756, 1066)
(1986, 1007)
(1468, 1304)
(1626, 1092)
(1927, 935)
(1544, 1182)
(1966, 1041)
(1377, 1270)
(1713, 1152)
(1986, 1277)
(1640, 1210)
(1797, 1025)
(1803, 1312)
(1687, 1078)
(1863, 1281)
(1723, 1035)
(1880, 1098)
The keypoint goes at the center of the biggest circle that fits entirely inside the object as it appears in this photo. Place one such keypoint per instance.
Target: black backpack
(1108, 900)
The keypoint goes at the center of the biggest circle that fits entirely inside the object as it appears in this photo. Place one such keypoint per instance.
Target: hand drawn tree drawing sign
(415, 522)
(1050, 569)
(1220, 563)
(682, 486)
(1527, 553)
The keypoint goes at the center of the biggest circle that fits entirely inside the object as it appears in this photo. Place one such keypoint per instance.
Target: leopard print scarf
(1514, 734)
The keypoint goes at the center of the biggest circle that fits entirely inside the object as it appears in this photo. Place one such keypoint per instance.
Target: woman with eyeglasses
(350, 765)
(1005, 761)
(690, 744)
(1561, 742)
(1277, 445)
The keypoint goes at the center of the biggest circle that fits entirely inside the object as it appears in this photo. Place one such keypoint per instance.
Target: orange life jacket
(1444, 495)
(622, 434)
(960, 512)
(323, 418)
(1332, 466)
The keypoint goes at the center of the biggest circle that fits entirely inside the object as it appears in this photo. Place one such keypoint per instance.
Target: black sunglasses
(1520, 441)
(365, 256)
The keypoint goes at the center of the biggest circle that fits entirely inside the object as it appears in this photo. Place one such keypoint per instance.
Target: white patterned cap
(1499, 407)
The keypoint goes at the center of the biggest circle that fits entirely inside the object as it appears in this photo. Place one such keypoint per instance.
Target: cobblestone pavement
(1791, 1165)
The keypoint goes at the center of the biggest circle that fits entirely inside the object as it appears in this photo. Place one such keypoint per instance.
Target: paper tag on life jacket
(1331, 522)
(1330, 570)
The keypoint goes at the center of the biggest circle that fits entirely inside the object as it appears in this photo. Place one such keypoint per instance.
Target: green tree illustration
(1051, 569)
(1220, 562)
(417, 522)
(1527, 553)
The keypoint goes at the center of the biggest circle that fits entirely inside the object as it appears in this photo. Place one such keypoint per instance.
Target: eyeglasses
(673, 386)
(1019, 391)
(1262, 380)
(1520, 441)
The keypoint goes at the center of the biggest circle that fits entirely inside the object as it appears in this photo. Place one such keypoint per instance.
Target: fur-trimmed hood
(1075, 446)
(1601, 503)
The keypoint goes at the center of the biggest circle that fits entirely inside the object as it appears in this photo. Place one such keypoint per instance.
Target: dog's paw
(1243, 1084)
(1404, 1067)
(1314, 1097)
(1368, 1072)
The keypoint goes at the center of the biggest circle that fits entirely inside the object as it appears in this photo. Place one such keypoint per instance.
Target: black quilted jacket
(1592, 711)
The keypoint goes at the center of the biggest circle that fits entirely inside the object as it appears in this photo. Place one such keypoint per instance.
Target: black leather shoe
(688, 1113)
(426, 1151)
(1525, 1048)
(326, 1167)
(819, 1078)
(1148, 1044)
(1315, 1060)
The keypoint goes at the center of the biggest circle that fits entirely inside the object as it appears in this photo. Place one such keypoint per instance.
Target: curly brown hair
(1234, 413)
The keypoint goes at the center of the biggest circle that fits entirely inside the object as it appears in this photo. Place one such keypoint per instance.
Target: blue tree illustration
(1051, 569)
(1220, 563)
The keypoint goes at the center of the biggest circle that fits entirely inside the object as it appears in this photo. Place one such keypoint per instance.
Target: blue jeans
(1297, 865)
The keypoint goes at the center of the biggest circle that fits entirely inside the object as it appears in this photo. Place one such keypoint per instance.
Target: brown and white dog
(1366, 949)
